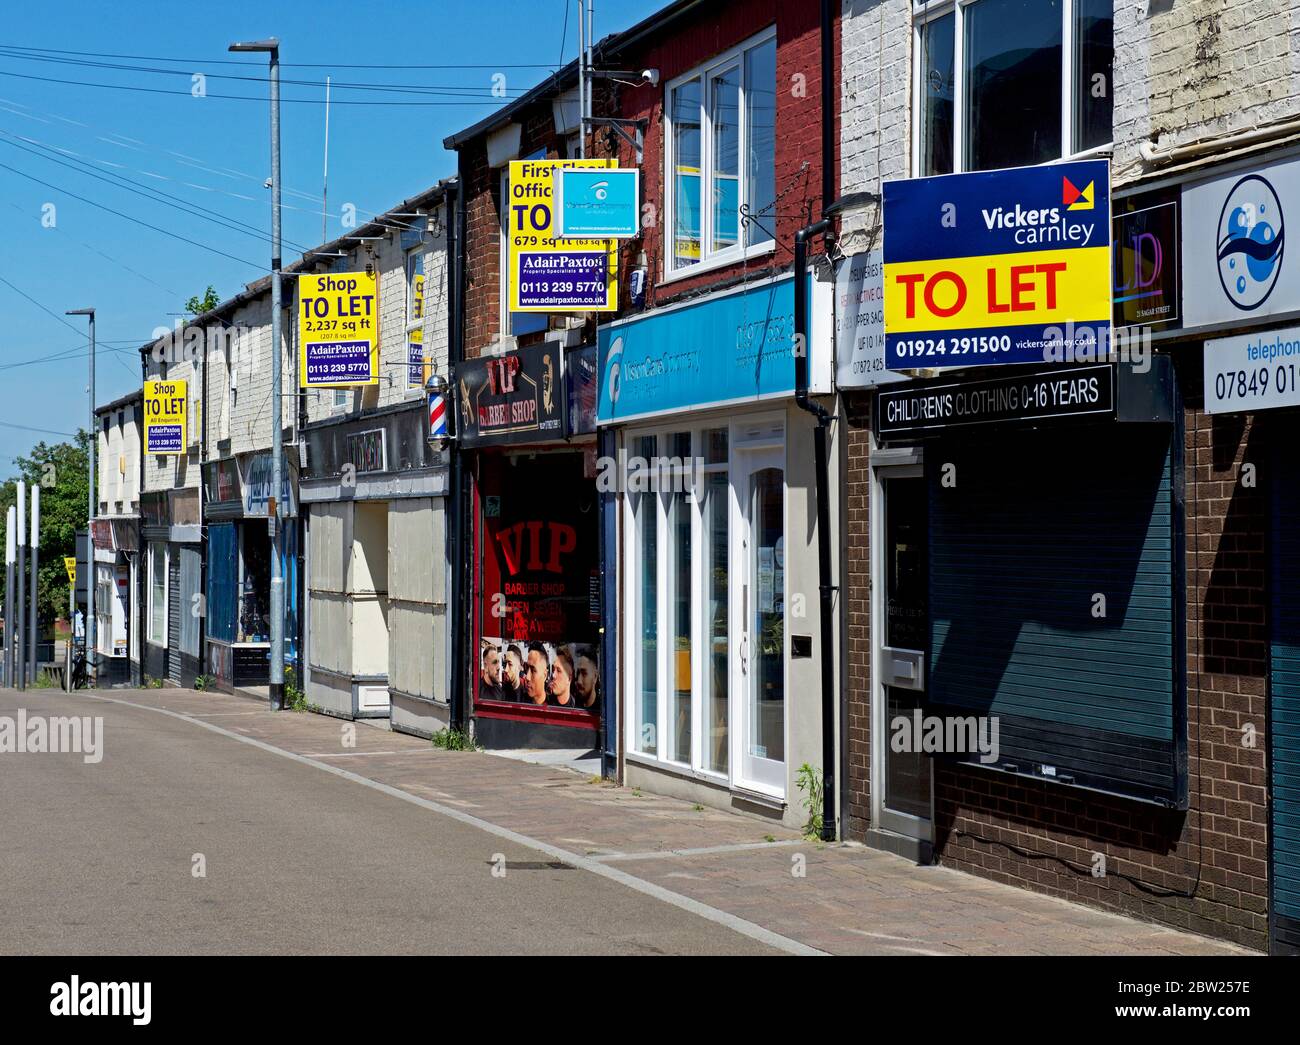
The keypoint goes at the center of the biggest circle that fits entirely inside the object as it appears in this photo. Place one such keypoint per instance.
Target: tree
(60, 471)
(196, 305)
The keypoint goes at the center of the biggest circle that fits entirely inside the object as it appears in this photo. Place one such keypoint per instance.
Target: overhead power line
(287, 65)
(240, 97)
(128, 217)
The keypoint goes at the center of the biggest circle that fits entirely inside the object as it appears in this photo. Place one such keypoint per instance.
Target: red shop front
(535, 596)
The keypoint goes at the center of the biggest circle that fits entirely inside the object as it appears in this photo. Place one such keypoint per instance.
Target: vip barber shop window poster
(539, 616)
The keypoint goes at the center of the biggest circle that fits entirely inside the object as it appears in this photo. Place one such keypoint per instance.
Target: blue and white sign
(726, 349)
(1236, 268)
(599, 204)
(1252, 372)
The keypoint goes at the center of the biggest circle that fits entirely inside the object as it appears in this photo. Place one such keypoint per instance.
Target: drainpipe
(821, 493)
(821, 465)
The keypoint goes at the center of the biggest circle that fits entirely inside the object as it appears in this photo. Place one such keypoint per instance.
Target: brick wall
(389, 260)
(856, 553)
(691, 43)
(1196, 68)
(990, 824)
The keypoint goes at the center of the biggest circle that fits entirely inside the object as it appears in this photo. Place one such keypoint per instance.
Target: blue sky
(213, 153)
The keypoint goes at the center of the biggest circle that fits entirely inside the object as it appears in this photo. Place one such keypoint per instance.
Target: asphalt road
(99, 858)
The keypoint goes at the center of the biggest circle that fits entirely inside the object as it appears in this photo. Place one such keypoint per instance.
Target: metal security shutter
(191, 587)
(1030, 528)
(174, 615)
(1284, 691)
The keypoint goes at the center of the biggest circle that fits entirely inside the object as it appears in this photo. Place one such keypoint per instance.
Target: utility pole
(11, 552)
(36, 565)
(90, 506)
(20, 610)
(271, 46)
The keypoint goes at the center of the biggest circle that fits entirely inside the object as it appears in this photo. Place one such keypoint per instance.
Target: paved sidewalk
(847, 900)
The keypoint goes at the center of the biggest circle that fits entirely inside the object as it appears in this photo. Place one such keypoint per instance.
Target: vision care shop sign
(338, 329)
(1252, 372)
(515, 398)
(1057, 392)
(546, 273)
(998, 267)
(165, 409)
(1236, 268)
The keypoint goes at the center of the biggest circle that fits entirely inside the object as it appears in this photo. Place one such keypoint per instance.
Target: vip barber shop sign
(998, 267)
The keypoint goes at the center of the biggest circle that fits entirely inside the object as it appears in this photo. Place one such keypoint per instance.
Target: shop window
(720, 136)
(679, 564)
(158, 594)
(538, 617)
(993, 75)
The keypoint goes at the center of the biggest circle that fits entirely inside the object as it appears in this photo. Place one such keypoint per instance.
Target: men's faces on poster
(558, 675)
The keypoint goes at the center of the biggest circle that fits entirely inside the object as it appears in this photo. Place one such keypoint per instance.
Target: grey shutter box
(174, 615)
(1038, 524)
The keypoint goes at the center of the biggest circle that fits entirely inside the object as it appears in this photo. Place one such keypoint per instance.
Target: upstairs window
(1011, 83)
(720, 150)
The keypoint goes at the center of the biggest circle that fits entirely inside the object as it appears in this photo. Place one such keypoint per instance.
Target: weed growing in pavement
(45, 680)
(454, 740)
(812, 785)
(202, 682)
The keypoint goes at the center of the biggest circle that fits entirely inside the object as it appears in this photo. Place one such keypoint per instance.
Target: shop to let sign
(415, 375)
(338, 329)
(1252, 372)
(997, 267)
(546, 273)
(164, 417)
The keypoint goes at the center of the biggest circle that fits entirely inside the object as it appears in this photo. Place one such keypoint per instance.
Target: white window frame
(154, 546)
(740, 436)
(922, 14)
(710, 259)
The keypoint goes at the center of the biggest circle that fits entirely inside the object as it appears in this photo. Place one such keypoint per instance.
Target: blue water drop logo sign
(1251, 241)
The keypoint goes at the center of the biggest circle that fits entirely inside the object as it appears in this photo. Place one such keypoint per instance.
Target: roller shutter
(1030, 531)
(1284, 691)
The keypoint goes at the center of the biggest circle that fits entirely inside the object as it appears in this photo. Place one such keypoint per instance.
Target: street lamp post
(90, 505)
(271, 46)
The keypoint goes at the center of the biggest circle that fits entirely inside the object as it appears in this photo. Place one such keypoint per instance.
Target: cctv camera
(650, 76)
(266, 184)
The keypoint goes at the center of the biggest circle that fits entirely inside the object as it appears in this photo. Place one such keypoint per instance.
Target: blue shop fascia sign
(725, 349)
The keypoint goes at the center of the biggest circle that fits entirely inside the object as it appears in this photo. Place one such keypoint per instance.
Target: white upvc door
(758, 596)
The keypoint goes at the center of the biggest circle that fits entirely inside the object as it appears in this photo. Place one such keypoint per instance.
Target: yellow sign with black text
(338, 329)
(165, 413)
(546, 274)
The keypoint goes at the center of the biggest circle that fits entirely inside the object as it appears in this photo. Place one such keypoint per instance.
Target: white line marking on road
(685, 903)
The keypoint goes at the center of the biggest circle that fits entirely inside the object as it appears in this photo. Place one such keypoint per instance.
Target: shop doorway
(901, 780)
(759, 481)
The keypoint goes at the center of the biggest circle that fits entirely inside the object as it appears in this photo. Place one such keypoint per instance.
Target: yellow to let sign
(338, 329)
(70, 564)
(165, 410)
(546, 274)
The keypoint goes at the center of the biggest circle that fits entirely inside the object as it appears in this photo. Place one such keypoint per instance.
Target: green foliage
(154, 684)
(60, 469)
(294, 697)
(813, 786)
(46, 680)
(202, 682)
(453, 740)
(196, 305)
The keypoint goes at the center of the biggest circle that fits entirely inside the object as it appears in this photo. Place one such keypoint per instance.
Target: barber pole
(436, 389)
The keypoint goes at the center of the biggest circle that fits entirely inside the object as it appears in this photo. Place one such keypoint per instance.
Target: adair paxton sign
(1047, 394)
